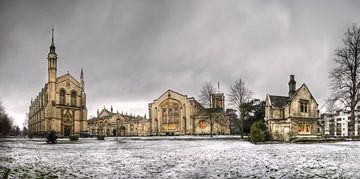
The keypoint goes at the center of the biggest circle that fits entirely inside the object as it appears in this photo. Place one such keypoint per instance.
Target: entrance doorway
(122, 131)
(67, 131)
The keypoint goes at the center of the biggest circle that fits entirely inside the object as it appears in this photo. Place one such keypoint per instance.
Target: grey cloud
(132, 51)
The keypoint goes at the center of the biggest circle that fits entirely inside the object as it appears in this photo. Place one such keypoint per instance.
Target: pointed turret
(81, 74)
(52, 46)
(82, 83)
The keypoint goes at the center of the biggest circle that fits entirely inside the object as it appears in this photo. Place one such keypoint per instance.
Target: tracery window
(62, 96)
(73, 98)
(170, 116)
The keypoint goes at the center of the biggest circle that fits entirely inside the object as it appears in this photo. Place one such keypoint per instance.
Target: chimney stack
(292, 85)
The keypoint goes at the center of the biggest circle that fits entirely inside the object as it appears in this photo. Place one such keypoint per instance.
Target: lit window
(304, 128)
(202, 124)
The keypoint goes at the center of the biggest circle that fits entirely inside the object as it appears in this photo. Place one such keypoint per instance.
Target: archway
(122, 131)
(67, 131)
(67, 123)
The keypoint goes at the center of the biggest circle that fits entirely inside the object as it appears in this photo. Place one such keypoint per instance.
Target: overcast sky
(133, 51)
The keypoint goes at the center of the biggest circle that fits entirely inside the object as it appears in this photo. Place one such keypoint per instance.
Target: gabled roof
(281, 101)
(297, 91)
(104, 112)
(278, 101)
(65, 76)
(168, 91)
(185, 96)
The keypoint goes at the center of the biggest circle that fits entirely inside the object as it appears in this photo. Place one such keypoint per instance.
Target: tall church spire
(81, 74)
(52, 47)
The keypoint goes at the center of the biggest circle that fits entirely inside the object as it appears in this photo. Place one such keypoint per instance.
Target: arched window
(62, 96)
(73, 98)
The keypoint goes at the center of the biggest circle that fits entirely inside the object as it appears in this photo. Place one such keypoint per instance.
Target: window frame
(73, 100)
(62, 96)
(304, 106)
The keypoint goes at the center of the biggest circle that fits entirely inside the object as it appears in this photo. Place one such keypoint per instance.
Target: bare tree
(205, 99)
(205, 94)
(240, 98)
(25, 127)
(345, 79)
(6, 122)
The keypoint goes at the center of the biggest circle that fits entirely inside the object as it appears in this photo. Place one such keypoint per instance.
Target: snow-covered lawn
(186, 157)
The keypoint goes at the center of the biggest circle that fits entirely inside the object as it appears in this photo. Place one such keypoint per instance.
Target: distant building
(292, 115)
(171, 114)
(178, 114)
(116, 124)
(61, 104)
(336, 124)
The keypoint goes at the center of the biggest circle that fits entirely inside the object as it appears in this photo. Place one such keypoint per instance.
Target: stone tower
(52, 68)
(218, 101)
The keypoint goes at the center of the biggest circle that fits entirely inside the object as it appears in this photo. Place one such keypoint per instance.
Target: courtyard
(176, 157)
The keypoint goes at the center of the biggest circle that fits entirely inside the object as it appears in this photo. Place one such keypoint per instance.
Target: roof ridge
(278, 96)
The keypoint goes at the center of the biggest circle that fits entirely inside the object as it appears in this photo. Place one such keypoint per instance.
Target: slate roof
(278, 101)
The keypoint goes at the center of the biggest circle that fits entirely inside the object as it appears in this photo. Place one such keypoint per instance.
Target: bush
(51, 137)
(74, 137)
(292, 136)
(258, 132)
(100, 137)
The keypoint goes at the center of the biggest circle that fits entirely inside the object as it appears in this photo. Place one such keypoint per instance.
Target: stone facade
(116, 124)
(174, 113)
(171, 114)
(61, 104)
(294, 115)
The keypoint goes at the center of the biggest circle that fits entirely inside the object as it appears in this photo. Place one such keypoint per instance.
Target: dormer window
(304, 106)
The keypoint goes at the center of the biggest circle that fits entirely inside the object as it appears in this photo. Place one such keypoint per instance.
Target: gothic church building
(60, 105)
(178, 114)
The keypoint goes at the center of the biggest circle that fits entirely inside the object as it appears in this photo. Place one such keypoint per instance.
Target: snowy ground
(184, 157)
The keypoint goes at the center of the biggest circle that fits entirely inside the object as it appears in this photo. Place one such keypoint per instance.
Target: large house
(61, 104)
(294, 115)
